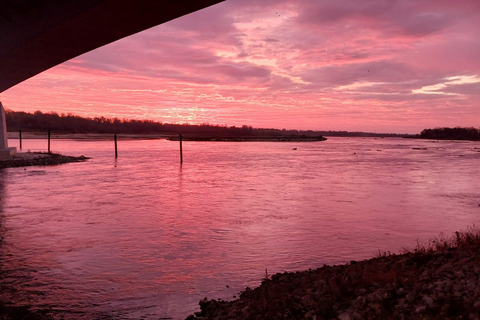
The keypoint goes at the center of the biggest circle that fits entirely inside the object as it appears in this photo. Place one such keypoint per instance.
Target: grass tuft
(459, 239)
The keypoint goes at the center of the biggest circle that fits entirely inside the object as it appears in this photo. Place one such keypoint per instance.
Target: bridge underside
(36, 35)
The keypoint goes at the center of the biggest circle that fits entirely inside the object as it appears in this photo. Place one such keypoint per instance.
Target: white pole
(3, 129)
(5, 151)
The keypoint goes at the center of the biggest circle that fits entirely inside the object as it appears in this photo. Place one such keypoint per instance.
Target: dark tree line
(456, 133)
(69, 123)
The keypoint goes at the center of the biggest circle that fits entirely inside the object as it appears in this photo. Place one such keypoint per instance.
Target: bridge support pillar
(5, 151)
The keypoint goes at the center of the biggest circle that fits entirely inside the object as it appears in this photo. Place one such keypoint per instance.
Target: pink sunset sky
(371, 65)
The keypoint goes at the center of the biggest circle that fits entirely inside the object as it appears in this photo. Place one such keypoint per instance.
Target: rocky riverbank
(438, 281)
(37, 159)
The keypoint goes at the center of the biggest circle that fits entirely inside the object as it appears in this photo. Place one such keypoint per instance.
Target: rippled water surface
(144, 236)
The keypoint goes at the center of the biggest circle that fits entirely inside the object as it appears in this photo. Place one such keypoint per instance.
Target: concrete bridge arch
(36, 35)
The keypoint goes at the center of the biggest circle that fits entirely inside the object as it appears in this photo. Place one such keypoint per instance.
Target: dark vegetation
(69, 123)
(460, 239)
(39, 159)
(436, 280)
(456, 133)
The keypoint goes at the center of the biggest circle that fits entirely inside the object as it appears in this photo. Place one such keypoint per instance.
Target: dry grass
(460, 239)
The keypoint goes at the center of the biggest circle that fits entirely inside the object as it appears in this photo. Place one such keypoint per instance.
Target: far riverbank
(152, 136)
(250, 139)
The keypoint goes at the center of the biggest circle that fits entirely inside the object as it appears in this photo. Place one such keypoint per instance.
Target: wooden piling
(20, 138)
(181, 150)
(48, 140)
(116, 150)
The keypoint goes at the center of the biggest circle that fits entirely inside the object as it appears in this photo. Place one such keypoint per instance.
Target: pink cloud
(392, 18)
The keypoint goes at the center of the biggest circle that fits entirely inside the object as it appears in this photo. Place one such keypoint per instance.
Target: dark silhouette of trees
(69, 123)
(456, 133)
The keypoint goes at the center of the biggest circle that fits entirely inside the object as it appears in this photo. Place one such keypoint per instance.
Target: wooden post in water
(48, 140)
(116, 151)
(20, 137)
(181, 151)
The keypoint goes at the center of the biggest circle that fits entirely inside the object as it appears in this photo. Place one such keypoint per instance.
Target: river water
(145, 237)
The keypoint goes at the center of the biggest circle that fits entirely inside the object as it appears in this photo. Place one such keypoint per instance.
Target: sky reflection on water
(145, 236)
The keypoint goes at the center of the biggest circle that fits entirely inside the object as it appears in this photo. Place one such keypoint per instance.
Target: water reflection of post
(180, 176)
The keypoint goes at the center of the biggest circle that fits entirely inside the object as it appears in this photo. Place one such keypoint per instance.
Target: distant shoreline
(170, 137)
(249, 139)
(68, 124)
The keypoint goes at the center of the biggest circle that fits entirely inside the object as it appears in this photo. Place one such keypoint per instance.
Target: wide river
(145, 237)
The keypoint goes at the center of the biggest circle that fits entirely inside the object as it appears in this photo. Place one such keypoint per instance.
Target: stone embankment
(38, 159)
(423, 284)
